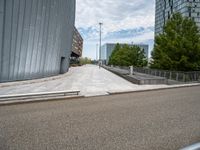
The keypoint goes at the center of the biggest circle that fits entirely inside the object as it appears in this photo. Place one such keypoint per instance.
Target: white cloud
(115, 14)
(119, 17)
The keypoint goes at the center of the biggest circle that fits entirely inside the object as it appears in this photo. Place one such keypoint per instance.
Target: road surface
(166, 119)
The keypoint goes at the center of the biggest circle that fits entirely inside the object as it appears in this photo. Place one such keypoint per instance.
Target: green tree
(85, 60)
(178, 47)
(112, 58)
(126, 55)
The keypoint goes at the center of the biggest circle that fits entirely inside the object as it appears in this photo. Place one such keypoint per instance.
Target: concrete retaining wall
(137, 78)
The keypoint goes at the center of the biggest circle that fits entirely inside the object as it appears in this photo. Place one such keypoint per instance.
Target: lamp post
(100, 25)
(97, 52)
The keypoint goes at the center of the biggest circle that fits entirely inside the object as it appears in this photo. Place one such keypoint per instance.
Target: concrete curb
(155, 89)
(8, 84)
(16, 102)
(39, 80)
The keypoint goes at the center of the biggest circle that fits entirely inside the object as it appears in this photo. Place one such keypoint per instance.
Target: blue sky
(124, 21)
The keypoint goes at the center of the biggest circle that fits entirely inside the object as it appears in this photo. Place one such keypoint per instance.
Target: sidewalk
(88, 79)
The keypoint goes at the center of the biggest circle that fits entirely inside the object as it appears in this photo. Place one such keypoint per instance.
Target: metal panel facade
(35, 38)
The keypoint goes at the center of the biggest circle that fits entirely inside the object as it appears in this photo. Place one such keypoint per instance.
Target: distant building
(165, 9)
(77, 44)
(107, 49)
(35, 38)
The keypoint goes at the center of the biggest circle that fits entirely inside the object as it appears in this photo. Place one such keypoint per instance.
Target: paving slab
(90, 80)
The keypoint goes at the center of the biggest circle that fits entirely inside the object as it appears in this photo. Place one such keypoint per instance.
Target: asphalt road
(166, 119)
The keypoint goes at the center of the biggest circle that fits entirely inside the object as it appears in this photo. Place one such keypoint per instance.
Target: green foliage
(85, 60)
(128, 56)
(178, 48)
(112, 58)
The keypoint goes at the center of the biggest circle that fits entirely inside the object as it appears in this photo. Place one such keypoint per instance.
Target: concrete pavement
(154, 120)
(89, 80)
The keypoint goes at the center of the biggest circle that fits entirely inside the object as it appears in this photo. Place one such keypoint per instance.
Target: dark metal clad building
(35, 38)
(77, 44)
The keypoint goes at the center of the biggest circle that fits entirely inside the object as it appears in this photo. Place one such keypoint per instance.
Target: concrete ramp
(137, 78)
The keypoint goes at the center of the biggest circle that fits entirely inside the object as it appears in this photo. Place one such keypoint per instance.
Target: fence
(171, 75)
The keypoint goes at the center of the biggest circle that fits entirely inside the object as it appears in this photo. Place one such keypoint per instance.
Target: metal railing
(38, 95)
(179, 76)
(172, 75)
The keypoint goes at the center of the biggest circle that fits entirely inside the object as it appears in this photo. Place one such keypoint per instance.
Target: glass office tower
(165, 8)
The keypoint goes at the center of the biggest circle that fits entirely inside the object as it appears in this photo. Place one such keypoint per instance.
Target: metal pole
(97, 52)
(100, 24)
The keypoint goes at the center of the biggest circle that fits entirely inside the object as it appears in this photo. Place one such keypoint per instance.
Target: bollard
(131, 70)
(177, 76)
(184, 77)
(170, 75)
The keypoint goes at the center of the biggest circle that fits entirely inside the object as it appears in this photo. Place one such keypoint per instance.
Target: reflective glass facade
(165, 8)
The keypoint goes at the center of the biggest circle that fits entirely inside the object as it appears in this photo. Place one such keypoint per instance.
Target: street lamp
(97, 45)
(100, 25)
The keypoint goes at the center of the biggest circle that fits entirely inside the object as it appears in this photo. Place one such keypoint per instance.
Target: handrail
(179, 76)
(192, 147)
(64, 93)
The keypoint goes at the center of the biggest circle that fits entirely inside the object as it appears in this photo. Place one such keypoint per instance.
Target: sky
(124, 21)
